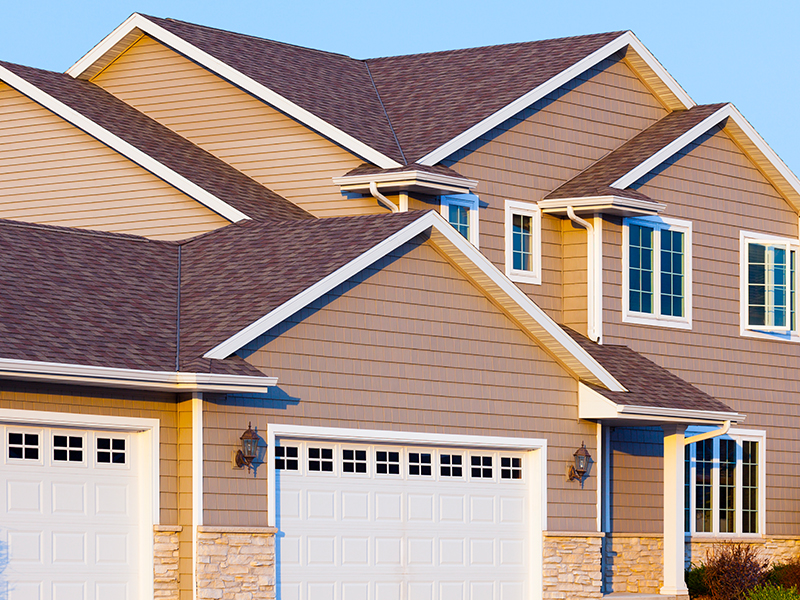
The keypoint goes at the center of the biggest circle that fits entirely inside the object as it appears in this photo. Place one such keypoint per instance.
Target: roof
(648, 384)
(162, 144)
(596, 180)
(367, 169)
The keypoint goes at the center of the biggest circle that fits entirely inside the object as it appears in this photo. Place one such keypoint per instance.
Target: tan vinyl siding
(273, 149)
(55, 174)
(409, 346)
(715, 186)
(98, 401)
(574, 312)
(535, 152)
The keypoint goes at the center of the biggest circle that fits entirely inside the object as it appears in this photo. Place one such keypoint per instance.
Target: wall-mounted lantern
(582, 458)
(249, 450)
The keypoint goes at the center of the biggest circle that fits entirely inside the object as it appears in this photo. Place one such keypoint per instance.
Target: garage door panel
(70, 520)
(444, 535)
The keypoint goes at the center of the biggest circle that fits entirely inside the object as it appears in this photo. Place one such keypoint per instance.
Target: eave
(593, 406)
(607, 205)
(412, 180)
(167, 381)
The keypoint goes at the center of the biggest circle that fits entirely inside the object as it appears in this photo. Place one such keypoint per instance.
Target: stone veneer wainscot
(572, 565)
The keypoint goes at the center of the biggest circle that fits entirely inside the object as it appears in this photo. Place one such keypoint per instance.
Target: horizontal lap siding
(412, 347)
(55, 174)
(273, 149)
(97, 401)
(535, 152)
(715, 186)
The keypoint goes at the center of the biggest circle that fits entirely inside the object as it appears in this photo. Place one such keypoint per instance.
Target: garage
(70, 513)
(382, 520)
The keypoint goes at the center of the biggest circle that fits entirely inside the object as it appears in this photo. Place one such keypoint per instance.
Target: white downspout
(708, 434)
(373, 189)
(594, 253)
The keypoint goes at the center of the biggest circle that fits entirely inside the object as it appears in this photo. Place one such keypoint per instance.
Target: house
(423, 295)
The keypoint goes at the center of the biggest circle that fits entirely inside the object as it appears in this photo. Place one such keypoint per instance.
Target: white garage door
(69, 514)
(382, 522)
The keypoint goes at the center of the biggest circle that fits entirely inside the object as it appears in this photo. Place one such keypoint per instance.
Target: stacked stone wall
(165, 562)
(572, 565)
(235, 563)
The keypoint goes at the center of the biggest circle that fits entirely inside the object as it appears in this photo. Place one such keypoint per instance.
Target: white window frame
(658, 224)
(739, 436)
(527, 209)
(471, 202)
(793, 245)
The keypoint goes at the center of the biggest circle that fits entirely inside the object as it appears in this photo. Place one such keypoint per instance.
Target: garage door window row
(388, 462)
(65, 448)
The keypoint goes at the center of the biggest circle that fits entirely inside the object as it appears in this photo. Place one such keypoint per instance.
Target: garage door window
(354, 461)
(451, 465)
(23, 446)
(286, 458)
(419, 463)
(510, 467)
(387, 462)
(68, 448)
(481, 467)
(320, 460)
(111, 451)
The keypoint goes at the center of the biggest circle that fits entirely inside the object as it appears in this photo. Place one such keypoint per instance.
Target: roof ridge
(487, 46)
(249, 36)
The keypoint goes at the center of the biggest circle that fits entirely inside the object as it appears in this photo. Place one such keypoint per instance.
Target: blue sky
(747, 53)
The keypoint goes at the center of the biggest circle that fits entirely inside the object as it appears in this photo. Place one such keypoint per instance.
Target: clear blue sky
(747, 53)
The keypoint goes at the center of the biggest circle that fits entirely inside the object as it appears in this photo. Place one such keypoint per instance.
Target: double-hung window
(461, 211)
(724, 484)
(768, 285)
(657, 271)
(523, 242)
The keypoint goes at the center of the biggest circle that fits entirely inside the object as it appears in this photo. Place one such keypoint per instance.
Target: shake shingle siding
(713, 185)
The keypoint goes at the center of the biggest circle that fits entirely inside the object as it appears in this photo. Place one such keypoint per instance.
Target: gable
(53, 173)
(248, 134)
(713, 173)
(412, 332)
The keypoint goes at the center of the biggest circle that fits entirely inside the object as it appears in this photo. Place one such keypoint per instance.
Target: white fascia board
(475, 265)
(418, 177)
(602, 203)
(132, 378)
(137, 21)
(697, 415)
(673, 147)
(124, 148)
(539, 92)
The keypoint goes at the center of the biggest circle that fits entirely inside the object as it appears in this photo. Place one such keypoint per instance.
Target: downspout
(373, 189)
(708, 434)
(593, 275)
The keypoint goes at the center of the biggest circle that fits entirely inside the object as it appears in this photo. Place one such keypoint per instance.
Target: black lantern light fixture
(582, 458)
(249, 449)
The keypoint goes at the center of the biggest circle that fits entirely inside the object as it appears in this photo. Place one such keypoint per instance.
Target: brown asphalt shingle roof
(596, 180)
(367, 169)
(424, 100)
(647, 383)
(182, 156)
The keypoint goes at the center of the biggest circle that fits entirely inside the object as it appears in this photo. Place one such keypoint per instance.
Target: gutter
(373, 189)
(169, 381)
(708, 434)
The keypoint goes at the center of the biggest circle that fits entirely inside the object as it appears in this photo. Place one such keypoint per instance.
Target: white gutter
(708, 434)
(594, 317)
(172, 381)
(373, 189)
(419, 177)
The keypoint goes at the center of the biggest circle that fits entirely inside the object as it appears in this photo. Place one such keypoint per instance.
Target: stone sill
(574, 534)
(222, 529)
(168, 528)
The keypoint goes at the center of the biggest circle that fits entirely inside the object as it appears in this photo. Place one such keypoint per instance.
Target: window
(510, 467)
(481, 467)
(287, 458)
(724, 488)
(768, 286)
(320, 460)
(23, 446)
(523, 242)
(657, 272)
(419, 463)
(461, 211)
(450, 465)
(387, 462)
(67, 448)
(111, 450)
(354, 461)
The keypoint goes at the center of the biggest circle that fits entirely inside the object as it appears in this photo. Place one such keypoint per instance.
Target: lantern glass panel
(249, 447)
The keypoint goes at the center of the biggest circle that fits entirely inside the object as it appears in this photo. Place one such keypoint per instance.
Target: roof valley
(388, 118)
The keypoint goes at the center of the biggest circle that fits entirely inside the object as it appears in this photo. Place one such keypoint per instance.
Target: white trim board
(127, 150)
(148, 460)
(674, 95)
(132, 378)
(140, 22)
(744, 135)
(475, 266)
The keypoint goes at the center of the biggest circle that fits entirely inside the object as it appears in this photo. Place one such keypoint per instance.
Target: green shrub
(772, 592)
(695, 577)
(732, 570)
(786, 576)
